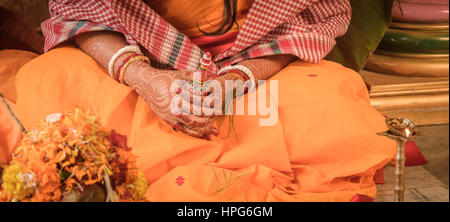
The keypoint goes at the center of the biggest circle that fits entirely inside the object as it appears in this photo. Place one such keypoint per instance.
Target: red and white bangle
(131, 59)
(119, 68)
(129, 48)
(239, 72)
(242, 70)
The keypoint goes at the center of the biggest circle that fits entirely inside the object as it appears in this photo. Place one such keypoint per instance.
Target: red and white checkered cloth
(304, 28)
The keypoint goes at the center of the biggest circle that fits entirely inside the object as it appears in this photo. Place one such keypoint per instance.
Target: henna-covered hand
(154, 85)
(159, 88)
(262, 69)
(213, 94)
(151, 84)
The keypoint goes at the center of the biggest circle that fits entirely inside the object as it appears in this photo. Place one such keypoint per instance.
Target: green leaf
(370, 20)
(64, 175)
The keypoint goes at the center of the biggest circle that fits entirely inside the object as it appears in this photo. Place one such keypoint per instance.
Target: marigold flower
(14, 185)
(72, 151)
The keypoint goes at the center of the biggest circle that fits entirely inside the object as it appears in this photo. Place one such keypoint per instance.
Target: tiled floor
(420, 185)
(434, 145)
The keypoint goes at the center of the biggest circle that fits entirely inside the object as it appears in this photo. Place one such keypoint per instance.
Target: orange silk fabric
(324, 146)
(10, 134)
(10, 62)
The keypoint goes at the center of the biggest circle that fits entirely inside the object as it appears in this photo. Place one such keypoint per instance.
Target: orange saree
(10, 133)
(324, 146)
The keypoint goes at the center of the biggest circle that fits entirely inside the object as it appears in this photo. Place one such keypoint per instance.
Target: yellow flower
(14, 183)
(141, 185)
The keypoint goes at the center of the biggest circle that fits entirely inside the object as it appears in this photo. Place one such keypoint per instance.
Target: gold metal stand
(401, 130)
(400, 172)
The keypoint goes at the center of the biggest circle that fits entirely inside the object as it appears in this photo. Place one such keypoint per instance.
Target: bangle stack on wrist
(117, 72)
(243, 71)
(136, 56)
(131, 59)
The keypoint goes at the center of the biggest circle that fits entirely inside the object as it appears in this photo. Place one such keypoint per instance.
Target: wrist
(120, 59)
(234, 76)
(250, 66)
(134, 74)
(124, 53)
(229, 76)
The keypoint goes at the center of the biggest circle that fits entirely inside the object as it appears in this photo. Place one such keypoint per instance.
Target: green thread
(227, 181)
(228, 101)
(12, 114)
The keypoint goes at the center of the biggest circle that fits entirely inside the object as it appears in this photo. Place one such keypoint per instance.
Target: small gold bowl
(401, 127)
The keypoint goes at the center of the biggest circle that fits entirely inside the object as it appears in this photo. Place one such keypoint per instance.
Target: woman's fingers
(183, 128)
(214, 131)
(196, 121)
(200, 132)
(193, 119)
(205, 106)
(207, 131)
(197, 118)
(200, 110)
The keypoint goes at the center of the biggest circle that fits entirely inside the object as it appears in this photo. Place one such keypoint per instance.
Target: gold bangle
(132, 60)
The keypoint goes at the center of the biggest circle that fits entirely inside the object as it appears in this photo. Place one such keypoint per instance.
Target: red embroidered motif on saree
(179, 181)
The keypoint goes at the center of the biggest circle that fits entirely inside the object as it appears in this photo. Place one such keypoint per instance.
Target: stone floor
(428, 183)
(434, 145)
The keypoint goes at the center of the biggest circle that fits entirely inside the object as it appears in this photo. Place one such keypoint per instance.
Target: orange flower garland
(70, 152)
